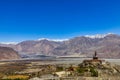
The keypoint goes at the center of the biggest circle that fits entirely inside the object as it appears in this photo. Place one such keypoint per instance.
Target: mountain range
(107, 46)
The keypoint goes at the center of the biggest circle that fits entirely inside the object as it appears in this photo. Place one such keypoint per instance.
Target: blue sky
(33, 19)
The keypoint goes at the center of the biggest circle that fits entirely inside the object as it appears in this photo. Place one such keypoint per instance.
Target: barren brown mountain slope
(7, 53)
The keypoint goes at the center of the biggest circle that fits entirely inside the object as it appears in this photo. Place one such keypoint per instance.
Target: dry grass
(13, 77)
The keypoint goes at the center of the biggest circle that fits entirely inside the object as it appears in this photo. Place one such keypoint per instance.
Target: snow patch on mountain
(14, 43)
(56, 40)
(98, 35)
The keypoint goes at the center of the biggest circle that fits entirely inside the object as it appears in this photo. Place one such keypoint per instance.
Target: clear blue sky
(32, 19)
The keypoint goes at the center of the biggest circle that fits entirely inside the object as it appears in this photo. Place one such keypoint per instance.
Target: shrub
(80, 70)
(94, 72)
(60, 68)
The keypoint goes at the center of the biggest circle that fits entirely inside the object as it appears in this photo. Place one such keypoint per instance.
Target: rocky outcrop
(99, 70)
(7, 53)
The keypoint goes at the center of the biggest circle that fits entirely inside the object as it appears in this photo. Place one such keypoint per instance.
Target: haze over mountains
(107, 46)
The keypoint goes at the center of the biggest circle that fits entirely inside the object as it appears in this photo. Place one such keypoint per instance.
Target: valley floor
(46, 69)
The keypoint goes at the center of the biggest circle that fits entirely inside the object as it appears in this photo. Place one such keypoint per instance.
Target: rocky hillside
(7, 53)
(106, 46)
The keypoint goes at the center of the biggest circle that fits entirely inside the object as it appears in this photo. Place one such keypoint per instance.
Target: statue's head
(95, 53)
